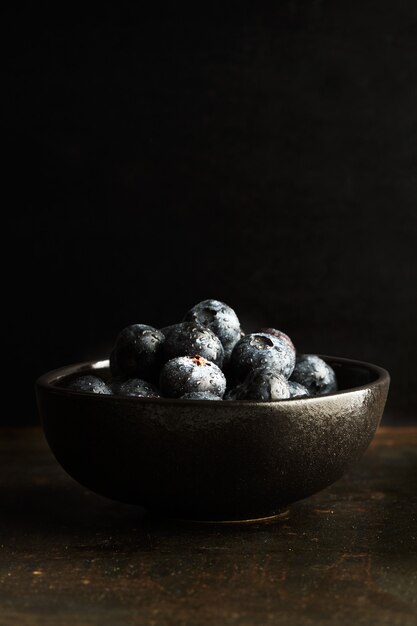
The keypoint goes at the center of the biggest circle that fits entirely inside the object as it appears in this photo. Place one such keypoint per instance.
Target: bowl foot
(268, 519)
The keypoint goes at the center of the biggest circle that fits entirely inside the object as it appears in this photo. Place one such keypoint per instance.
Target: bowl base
(268, 519)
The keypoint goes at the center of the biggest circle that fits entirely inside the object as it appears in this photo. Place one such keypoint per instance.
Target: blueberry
(135, 387)
(91, 384)
(189, 339)
(260, 350)
(186, 374)
(220, 319)
(138, 352)
(279, 334)
(262, 384)
(316, 375)
(200, 395)
(297, 390)
(167, 329)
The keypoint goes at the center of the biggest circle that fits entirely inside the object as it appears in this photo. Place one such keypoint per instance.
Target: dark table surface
(345, 556)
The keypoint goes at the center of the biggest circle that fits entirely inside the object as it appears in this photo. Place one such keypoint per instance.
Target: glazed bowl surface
(205, 460)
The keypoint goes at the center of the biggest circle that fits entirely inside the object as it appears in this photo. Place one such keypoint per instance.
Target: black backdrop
(267, 157)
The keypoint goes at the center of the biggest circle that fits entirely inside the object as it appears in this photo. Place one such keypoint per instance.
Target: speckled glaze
(207, 460)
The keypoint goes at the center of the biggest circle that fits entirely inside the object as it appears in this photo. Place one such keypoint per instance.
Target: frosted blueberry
(138, 352)
(135, 387)
(315, 374)
(186, 374)
(220, 319)
(262, 384)
(90, 384)
(262, 350)
(189, 339)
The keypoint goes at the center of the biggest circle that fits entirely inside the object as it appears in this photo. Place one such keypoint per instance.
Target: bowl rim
(48, 382)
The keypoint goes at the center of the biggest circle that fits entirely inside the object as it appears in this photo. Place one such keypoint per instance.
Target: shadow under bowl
(203, 460)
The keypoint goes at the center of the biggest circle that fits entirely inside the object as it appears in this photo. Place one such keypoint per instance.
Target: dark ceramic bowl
(207, 460)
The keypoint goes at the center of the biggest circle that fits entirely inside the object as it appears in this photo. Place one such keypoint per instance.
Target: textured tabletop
(345, 556)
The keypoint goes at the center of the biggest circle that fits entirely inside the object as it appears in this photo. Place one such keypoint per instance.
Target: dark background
(266, 157)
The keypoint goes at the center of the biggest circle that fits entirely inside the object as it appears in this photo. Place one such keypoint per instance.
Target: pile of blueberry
(208, 357)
